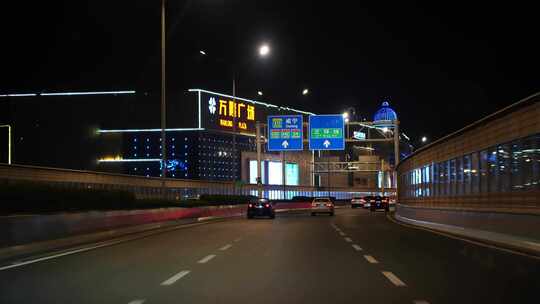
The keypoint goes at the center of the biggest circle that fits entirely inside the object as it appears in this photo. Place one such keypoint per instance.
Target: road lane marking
(175, 278)
(206, 258)
(356, 247)
(138, 301)
(348, 239)
(118, 240)
(393, 278)
(342, 234)
(238, 239)
(371, 259)
(420, 302)
(225, 247)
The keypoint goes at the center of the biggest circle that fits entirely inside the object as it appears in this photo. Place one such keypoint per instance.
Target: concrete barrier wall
(523, 225)
(24, 229)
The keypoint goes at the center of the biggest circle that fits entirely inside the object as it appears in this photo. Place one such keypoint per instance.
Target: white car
(322, 205)
(357, 202)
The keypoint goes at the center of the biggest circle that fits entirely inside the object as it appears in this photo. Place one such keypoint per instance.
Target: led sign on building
(223, 112)
(226, 113)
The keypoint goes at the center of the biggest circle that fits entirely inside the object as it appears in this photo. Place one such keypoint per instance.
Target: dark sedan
(260, 207)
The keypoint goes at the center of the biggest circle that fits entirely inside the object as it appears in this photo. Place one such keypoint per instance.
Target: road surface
(353, 257)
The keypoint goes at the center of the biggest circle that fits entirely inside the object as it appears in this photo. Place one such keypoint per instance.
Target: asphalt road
(353, 257)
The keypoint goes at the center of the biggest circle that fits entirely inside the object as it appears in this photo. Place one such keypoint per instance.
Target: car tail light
(362, 200)
(313, 204)
(267, 205)
(250, 206)
(328, 205)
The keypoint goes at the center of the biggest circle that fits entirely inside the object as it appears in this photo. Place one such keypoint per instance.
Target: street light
(163, 104)
(202, 52)
(260, 93)
(264, 50)
(424, 139)
(305, 92)
(346, 116)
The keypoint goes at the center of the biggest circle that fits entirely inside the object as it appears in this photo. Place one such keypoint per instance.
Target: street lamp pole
(163, 103)
(9, 142)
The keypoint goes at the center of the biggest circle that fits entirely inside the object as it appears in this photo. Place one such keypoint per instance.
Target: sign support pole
(283, 177)
(258, 143)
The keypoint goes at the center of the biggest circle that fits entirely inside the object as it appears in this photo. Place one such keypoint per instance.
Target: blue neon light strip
(148, 130)
(129, 160)
(68, 93)
(87, 93)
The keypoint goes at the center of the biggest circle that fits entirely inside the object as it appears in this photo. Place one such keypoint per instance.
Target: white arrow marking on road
(285, 144)
(326, 143)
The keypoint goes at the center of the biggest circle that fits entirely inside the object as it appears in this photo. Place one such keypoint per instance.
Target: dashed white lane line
(348, 239)
(225, 247)
(238, 239)
(356, 247)
(175, 278)
(138, 301)
(342, 234)
(371, 259)
(206, 258)
(420, 302)
(393, 278)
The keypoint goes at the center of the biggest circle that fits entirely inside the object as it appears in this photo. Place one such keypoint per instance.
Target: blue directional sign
(285, 133)
(326, 132)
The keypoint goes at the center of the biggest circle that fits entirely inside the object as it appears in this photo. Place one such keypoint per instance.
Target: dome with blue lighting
(384, 114)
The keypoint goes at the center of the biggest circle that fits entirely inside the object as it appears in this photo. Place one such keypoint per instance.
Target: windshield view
(173, 151)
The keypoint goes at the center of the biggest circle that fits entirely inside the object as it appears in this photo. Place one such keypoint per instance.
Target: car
(357, 202)
(260, 207)
(322, 205)
(379, 202)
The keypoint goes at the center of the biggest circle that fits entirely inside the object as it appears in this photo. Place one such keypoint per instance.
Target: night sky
(441, 66)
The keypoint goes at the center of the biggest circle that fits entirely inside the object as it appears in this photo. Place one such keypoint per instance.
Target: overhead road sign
(326, 132)
(285, 133)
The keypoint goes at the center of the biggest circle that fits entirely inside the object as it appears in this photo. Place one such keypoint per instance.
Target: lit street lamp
(264, 50)
(260, 93)
(305, 92)
(424, 139)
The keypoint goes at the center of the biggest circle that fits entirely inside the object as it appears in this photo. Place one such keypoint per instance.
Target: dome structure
(384, 115)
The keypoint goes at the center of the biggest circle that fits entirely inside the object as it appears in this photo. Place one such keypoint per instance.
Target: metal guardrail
(174, 189)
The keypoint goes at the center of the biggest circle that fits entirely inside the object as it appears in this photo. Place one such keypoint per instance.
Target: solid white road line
(342, 234)
(225, 247)
(420, 302)
(175, 278)
(138, 301)
(392, 277)
(356, 247)
(238, 239)
(206, 258)
(348, 239)
(99, 245)
(371, 259)
(59, 255)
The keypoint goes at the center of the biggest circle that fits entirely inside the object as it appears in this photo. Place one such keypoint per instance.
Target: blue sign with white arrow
(326, 132)
(285, 133)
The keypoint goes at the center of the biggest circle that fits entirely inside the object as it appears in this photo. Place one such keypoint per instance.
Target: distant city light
(305, 92)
